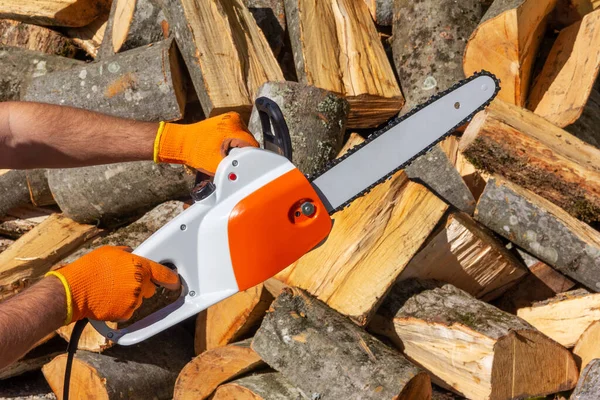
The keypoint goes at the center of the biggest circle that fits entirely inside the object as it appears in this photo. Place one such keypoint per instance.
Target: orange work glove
(201, 145)
(109, 284)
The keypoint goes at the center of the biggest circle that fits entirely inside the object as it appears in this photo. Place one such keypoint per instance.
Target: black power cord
(71, 349)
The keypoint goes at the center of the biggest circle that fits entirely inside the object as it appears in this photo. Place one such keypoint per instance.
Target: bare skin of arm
(29, 316)
(34, 135)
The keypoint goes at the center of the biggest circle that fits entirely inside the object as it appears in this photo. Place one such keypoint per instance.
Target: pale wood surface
(561, 91)
(320, 351)
(586, 349)
(534, 153)
(53, 12)
(506, 43)
(32, 255)
(468, 256)
(382, 11)
(265, 386)
(201, 376)
(471, 347)
(337, 48)
(89, 37)
(36, 38)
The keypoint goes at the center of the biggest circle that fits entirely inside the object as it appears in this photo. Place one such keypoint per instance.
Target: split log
(568, 12)
(586, 349)
(270, 18)
(21, 220)
(316, 120)
(226, 53)
(41, 354)
(36, 38)
(231, 319)
(132, 236)
(300, 330)
(114, 193)
(201, 376)
(145, 84)
(494, 355)
(435, 170)
(542, 229)
(561, 91)
(147, 370)
(382, 11)
(370, 244)
(588, 386)
(532, 152)
(428, 45)
(473, 178)
(337, 48)
(564, 317)
(586, 127)
(89, 37)
(265, 386)
(18, 67)
(133, 24)
(506, 43)
(53, 12)
(30, 257)
(468, 256)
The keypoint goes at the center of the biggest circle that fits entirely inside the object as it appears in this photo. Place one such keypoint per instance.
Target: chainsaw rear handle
(245, 231)
(276, 135)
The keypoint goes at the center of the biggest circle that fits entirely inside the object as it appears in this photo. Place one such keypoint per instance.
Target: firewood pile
(474, 273)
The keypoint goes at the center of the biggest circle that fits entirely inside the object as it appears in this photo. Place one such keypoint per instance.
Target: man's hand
(110, 283)
(204, 144)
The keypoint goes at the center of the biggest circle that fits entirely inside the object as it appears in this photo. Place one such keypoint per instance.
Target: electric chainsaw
(261, 214)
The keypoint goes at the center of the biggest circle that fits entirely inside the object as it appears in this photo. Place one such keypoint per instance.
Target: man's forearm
(29, 316)
(34, 135)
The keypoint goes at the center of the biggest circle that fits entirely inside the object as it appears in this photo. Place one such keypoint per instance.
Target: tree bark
(325, 355)
(36, 38)
(542, 229)
(586, 349)
(226, 53)
(201, 376)
(494, 355)
(316, 120)
(18, 67)
(133, 24)
(114, 193)
(428, 45)
(30, 257)
(588, 386)
(264, 386)
(535, 154)
(145, 84)
(370, 244)
(13, 183)
(53, 12)
(21, 220)
(561, 91)
(337, 48)
(468, 256)
(147, 370)
(506, 43)
(382, 11)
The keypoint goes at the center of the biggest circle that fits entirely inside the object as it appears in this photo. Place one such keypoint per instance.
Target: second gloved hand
(204, 144)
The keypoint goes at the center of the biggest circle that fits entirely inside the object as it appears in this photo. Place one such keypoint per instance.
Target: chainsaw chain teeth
(397, 121)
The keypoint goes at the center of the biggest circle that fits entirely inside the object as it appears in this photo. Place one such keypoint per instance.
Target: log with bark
(337, 48)
(316, 119)
(382, 11)
(53, 12)
(473, 178)
(532, 152)
(506, 43)
(146, 84)
(494, 355)
(201, 376)
(22, 187)
(561, 91)
(564, 317)
(21, 220)
(89, 37)
(132, 236)
(42, 353)
(226, 53)
(542, 229)
(468, 256)
(300, 330)
(133, 24)
(29, 258)
(231, 319)
(18, 67)
(114, 193)
(147, 370)
(263, 386)
(370, 244)
(588, 386)
(586, 349)
(5, 243)
(36, 38)
(428, 45)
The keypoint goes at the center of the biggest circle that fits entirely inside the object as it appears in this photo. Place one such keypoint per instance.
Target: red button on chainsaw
(232, 177)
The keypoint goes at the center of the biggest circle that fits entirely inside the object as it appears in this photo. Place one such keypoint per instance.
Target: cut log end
(85, 383)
